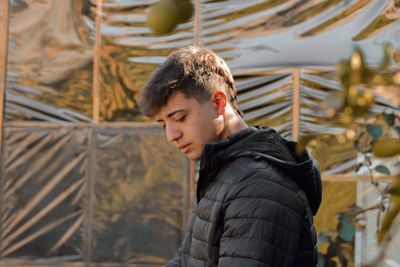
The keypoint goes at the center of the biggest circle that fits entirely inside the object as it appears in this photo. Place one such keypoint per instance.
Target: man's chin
(193, 156)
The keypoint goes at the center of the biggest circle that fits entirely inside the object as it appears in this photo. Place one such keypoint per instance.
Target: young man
(255, 197)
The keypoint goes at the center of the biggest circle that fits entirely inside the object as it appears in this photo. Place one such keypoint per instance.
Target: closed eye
(180, 119)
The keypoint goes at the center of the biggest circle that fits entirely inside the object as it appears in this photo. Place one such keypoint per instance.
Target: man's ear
(220, 101)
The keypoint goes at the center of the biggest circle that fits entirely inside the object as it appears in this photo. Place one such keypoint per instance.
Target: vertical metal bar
(186, 194)
(189, 191)
(88, 221)
(4, 18)
(192, 184)
(197, 15)
(96, 63)
(296, 105)
(88, 224)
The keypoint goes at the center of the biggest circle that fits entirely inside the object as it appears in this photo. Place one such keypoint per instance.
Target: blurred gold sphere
(185, 9)
(386, 147)
(162, 17)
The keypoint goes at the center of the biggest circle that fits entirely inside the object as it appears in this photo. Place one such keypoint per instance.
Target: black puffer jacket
(255, 205)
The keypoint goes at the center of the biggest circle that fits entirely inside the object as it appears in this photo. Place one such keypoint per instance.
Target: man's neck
(233, 124)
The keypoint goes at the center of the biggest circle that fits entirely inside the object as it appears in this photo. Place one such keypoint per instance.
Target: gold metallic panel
(49, 76)
(42, 194)
(261, 35)
(130, 52)
(267, 100)
(138, 188)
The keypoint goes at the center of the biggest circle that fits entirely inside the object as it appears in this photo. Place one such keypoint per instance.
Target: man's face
(190, 124)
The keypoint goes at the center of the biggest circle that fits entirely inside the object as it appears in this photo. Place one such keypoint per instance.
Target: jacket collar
(215, 156)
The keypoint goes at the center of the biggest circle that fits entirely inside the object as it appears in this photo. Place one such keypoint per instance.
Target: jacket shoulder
(257, 178)
(245, 169)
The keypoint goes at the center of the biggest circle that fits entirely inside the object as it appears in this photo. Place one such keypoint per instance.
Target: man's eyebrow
(172, 114)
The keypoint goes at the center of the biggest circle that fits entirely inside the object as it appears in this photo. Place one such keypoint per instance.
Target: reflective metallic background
(87, 178)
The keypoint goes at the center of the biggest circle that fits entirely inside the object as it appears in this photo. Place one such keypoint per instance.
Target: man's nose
(173, 133)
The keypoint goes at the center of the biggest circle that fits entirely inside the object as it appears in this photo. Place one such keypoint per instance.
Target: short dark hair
(195, 71)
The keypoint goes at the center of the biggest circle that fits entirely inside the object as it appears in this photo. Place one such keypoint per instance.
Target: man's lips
(183, 148)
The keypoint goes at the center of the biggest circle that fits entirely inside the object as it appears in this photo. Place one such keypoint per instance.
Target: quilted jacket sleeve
(177, 260)
(182, 254)
(263, 221)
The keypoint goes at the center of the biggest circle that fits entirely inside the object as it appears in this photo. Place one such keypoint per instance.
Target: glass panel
(267, 100)
(130, 53)
(260, 35)
(50, 58)
(334, 156)
(42, 194)
(139, 197)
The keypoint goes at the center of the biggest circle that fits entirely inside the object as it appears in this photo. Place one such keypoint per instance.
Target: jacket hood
(265, 143)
